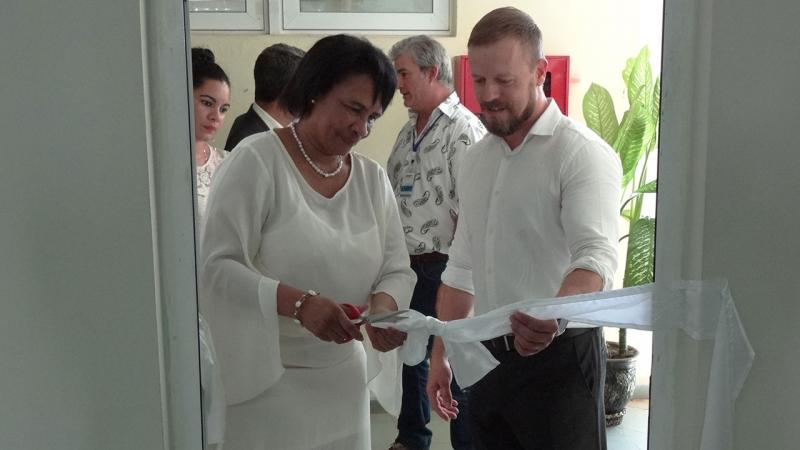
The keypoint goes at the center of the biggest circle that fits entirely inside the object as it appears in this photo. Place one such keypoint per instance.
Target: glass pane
(366, 6)
(218, 6)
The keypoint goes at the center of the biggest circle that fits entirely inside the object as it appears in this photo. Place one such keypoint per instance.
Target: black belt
(429, 257)
(505, 343)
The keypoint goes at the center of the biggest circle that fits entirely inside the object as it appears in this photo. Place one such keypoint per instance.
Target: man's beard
(508, 127)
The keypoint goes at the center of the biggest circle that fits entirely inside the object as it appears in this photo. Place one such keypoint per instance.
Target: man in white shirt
(538, 219)
(274, 67)
(422, 168)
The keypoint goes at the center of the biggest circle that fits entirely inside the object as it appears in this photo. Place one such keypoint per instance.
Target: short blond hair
(507, 22)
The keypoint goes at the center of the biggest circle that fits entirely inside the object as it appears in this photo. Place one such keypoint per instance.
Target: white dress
(213, 397)
(285, 388)
(204, 174)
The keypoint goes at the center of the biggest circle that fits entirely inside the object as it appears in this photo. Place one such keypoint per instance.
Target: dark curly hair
(205, 68)
(329, 62)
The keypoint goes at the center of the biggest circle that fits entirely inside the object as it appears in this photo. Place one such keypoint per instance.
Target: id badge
(406, 185)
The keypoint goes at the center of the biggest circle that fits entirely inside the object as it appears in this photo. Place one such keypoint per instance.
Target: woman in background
(212, 100)
(211, 93)
(297, 225)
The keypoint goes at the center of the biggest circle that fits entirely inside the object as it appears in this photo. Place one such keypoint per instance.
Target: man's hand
(532, 335)
(438, 388)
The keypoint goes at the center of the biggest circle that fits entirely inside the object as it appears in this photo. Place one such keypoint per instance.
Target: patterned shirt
(427, 164)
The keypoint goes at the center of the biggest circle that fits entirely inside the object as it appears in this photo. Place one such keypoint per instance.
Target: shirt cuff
(459, 278)
(399, 288)
(268, 297)
(592, 265)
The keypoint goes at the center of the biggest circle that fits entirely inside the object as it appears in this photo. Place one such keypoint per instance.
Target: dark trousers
(415, 412)
(549, 401)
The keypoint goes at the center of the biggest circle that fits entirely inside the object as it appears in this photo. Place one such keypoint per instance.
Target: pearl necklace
(322, 173)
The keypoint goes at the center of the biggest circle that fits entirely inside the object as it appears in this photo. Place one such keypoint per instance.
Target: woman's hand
(385, 339)
(325, 319)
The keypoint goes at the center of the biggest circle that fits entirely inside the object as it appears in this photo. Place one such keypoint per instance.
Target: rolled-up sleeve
(458, 273)
(591, 180)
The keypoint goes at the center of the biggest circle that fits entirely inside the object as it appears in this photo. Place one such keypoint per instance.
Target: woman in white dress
(296, 225)
(211, 94)
(212, 100)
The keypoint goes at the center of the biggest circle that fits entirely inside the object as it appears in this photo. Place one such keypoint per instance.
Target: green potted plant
(634, 139)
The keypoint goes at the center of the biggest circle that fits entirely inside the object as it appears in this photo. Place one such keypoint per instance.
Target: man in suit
(273, 69)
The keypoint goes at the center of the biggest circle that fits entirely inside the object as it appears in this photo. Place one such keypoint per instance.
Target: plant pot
(620, 382)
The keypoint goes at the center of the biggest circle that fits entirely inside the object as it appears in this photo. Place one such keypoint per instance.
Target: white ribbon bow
(704, 310)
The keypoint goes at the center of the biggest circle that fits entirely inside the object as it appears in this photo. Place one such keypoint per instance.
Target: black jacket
(243, 126)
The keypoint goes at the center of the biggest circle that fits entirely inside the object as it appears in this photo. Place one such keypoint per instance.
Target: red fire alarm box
(556, 85)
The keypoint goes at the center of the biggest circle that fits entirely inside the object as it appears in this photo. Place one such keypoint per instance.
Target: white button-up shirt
(531, 215)
(429, 212)
(266, 118)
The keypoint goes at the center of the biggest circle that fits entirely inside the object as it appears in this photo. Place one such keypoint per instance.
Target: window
(322, 16)
(386, 16)
(226, 14)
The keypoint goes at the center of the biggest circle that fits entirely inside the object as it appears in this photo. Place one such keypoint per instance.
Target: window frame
(285, 17)
(253, 19)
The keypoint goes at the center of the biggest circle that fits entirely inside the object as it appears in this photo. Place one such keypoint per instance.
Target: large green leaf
(627, 214)
(649, 188)
(630, 146)
(598, 111)
(639, 267)
(627, 210)
(655, 104)
(636, 137)
(638, 75)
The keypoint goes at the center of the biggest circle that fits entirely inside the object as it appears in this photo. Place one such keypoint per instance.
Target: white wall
(599, 35)
(730, 148)
(84, 362)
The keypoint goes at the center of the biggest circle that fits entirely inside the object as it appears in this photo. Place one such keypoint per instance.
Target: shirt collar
(546, 124)
(448, 107)
(269, 120)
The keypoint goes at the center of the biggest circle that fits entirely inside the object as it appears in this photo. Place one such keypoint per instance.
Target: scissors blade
(392, 316)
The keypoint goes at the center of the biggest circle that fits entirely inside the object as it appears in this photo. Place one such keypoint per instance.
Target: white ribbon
(704, 310)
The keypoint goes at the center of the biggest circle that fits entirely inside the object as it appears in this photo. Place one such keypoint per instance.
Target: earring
(313, 101)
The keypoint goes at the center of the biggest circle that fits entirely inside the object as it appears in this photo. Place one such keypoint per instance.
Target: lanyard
(415, 144)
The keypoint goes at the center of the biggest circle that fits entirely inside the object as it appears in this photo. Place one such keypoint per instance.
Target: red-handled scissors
(356, 314)
(352, 311)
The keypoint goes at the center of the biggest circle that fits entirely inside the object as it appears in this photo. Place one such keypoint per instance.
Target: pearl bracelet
(297, 304)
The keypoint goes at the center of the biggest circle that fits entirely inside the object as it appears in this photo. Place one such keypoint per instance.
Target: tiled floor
(630, 435)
